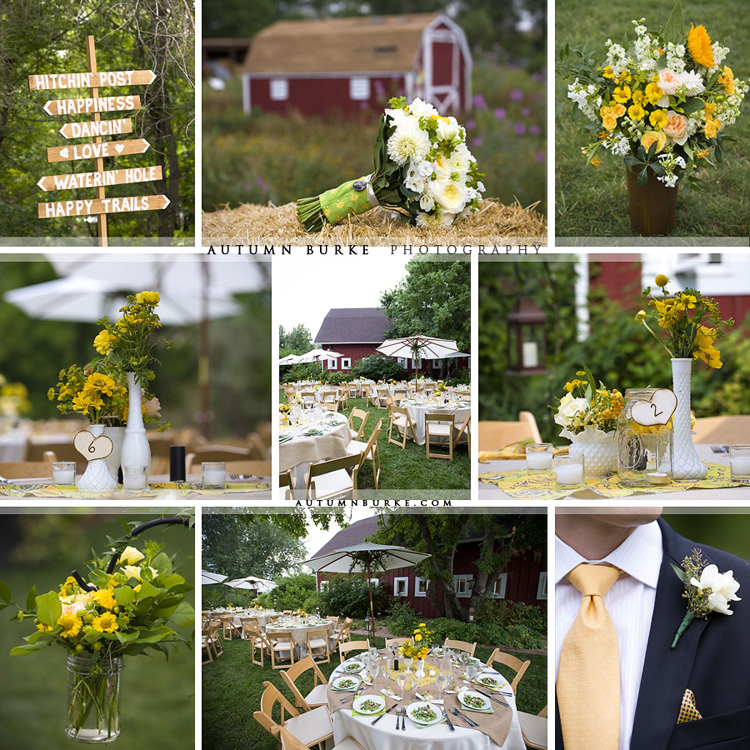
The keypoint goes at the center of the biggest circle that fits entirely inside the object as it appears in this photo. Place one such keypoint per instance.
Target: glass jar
(644, 454)
(93, 698)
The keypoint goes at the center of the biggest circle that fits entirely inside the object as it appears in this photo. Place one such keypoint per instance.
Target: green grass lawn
(408, 468)
(593, 201)
(232, 687)
(157, 697)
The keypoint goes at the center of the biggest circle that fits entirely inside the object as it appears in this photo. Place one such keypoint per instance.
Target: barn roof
(351, 535)
(353, 325)
(360, 44)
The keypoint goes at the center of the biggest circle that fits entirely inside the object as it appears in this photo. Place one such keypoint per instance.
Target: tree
(433, 300)
(237, 546)
(500, 538)
(296, 341)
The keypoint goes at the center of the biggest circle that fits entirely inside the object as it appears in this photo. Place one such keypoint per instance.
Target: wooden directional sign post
(92, 106)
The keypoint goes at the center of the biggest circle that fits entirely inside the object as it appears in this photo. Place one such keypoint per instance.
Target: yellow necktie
(588, 678)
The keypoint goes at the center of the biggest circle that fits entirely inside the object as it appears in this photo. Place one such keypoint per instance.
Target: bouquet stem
(334, 206)
(686, 620)
(93, 700)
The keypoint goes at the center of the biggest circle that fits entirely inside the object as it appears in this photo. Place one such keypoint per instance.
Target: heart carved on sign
(64, 152)
(119, 147)
(658, 410)
(91, 447)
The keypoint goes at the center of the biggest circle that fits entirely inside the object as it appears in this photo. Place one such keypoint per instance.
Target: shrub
(349, 596)
(377, 367)
(291, 592)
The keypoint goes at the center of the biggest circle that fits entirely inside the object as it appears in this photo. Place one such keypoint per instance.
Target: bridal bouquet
(130, 604)
(663, 101)
(422, 168)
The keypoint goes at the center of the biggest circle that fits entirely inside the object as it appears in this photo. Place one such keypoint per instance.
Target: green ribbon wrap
(333, 206)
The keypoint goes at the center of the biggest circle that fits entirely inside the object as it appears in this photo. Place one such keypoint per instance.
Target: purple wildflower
(500, 113)
(520, 128)
(477, 142)
(540, 158)
(470, 124)
(479, 101)
(516, 95)
(525, 112)
(534, 129)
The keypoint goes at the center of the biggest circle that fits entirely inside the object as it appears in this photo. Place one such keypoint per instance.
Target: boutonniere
(706, 590)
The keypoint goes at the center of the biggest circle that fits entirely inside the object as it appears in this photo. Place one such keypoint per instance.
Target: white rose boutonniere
(706, 589)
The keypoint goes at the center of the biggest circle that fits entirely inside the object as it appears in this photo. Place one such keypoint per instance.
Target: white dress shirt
(630, 603)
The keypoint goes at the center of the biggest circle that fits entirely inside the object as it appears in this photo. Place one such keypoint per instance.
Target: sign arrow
(90, 106)
(60, 209)
(96, 128)
(48, 82)
(96, 150)
(100, 179)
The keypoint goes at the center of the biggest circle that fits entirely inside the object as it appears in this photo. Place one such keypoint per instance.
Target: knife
(375, 721)
(497, 700)
(445, 713)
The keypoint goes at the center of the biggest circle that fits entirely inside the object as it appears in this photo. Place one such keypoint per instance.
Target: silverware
(352, 697)
(376, 720)
(450, 723)
(403, 718)
(497, 700)
(398, 716)
(469, 721)
(720, 448)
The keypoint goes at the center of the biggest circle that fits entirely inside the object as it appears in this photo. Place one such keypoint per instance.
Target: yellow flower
(640, 316)
(690, 300)
(712, 128)
(44, 628)
(653, 93)
(607, 72)
(103, 342)
(83, 401)
(658, 118)
(621, 94)
(636, 112)
(638, 96)
(99, 382)
(71, 625)
(106, 623)
(130, 556)
(609, 121)
(596, 161)
(661, 280)
(619, 110)
(105, 599)
(418, 637)
(147, 298)
(652, 136)
(699, 46)
(726, 79)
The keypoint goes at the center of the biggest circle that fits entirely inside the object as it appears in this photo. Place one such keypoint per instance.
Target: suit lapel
(666, 671)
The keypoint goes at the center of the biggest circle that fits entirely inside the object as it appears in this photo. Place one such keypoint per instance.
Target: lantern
(527, 338)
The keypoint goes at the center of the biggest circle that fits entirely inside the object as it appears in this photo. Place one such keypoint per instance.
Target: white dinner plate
(490, 681)
(421, 706)
(341, 683)
(375, 704)
(352, 667)
(471, 694)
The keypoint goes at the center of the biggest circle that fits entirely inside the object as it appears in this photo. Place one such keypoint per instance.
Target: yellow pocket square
(688, 710)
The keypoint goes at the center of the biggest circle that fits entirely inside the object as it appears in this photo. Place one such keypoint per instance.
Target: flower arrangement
(284, 411)
(422, 169)
(132, 601)
(663, 101)
(706, 590)
(590, 409)
(690, 323)
(412, 650)
(95, 395)
(14, 399)
(422, 635)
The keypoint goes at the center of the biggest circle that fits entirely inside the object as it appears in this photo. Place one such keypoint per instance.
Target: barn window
(331, 364)
(498, 588)
(401, 361)
(541, 589)
(462, 586)
(359, 89)
(401, 587)
(346, 363)
(420, 586)
(279, 89)
(324, 586)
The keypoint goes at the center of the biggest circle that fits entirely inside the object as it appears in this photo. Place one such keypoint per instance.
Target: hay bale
(492, 224)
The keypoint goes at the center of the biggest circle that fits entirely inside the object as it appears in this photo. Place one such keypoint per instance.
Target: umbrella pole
(372, 609)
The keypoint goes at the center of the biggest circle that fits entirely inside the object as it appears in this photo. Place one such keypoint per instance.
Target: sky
(317, 537)
(308, 288)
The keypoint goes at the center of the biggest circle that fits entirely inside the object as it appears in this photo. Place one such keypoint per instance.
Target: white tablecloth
(300, 451)
(383, 735)
(488, 490)
(299, 633)
(417, 413)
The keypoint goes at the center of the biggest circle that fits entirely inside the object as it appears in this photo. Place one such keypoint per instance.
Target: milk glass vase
(136, 450)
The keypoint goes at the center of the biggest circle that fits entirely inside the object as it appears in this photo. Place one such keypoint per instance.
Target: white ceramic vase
(97, 478)
(116, 435)
(136, 450)
(599, 449)
(686, 463)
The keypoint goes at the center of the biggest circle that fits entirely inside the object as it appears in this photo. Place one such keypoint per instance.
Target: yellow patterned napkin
(522, 484)
(180, 488)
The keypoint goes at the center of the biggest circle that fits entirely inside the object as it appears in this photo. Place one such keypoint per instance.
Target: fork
(720, 449)
(469, 721)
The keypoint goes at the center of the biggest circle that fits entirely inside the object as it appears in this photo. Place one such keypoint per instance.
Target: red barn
(351, 64)
(524, 579)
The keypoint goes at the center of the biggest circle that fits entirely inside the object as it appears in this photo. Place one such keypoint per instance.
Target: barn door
(442, 69)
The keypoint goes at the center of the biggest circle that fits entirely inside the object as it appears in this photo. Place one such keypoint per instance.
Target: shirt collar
(640, 556)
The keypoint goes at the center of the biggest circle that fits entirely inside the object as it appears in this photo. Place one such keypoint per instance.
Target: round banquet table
(262, 618)
(417, 408)
(383, 735)
(299, 632)
(301, 450)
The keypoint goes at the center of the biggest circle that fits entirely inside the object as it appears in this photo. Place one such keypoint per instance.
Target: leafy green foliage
(292, 592)
(348, 595)
(296, 341)
(378, 367)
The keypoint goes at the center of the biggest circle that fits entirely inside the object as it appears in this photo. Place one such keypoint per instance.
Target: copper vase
(653, 206)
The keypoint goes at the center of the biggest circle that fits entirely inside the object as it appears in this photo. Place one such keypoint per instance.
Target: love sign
(657, 410)
(91, 447)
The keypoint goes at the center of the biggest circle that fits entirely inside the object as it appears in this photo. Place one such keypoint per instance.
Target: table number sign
(93, 105)
(91, 447)
(658, 410)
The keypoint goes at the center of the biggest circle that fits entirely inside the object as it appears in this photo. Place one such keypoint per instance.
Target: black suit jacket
(712, 659)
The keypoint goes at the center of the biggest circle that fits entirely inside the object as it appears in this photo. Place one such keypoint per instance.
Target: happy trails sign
(93, 106)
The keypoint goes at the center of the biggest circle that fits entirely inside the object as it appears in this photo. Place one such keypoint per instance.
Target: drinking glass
(401, 679)
(442, 682)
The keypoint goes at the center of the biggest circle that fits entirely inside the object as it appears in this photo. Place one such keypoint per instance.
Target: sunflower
(699, 44)
(106, 623)
(71, 625)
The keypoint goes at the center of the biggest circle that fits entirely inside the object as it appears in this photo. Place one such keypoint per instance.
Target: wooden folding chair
(317, 696)
(401, 420)
(518, 666)
(282, 647)
(464, 432)
(345, 648)
(534, 729)
(286, 480)
(438, 430)
(290, 742)
(361, 415)
(469, 648)
(368, 451)
(316, 643)
(329, 479)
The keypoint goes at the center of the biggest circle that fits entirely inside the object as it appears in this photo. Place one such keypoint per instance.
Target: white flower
(450, 195)
(569, 407)
(408, 141)
(130, 556)
(435, 221)
(420, 108)
(461, 159)
(426, 203)
(693, 82)
(480, 186)
(397, 116)
(448, 131)
(425, 168)
(723, 588)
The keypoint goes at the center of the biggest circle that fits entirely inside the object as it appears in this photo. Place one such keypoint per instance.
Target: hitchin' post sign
(100, 179)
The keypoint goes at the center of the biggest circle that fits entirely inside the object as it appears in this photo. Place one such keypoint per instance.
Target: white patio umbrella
(366, 558)
(418, 347)
(290, 359)
(317, 355)
(207, 577)
(251, 582)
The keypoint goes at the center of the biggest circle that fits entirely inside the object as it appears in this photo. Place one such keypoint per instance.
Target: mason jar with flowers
(588, 415)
